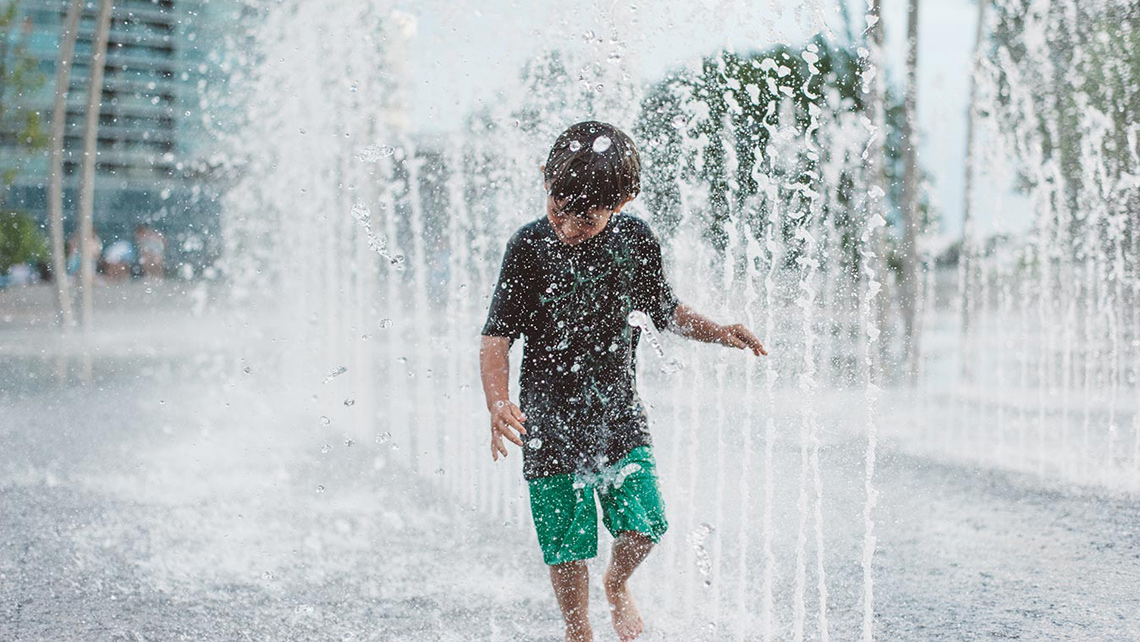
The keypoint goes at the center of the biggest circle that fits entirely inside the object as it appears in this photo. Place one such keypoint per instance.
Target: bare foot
(579, 633)
(627, 620)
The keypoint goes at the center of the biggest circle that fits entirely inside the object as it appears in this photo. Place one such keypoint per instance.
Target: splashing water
(697, 540)
(639, 319)
(821, 309)
(626, 471)
(378, 243)
(373, 153)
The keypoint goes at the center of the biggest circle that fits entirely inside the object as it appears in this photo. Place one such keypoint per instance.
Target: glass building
(154, 142)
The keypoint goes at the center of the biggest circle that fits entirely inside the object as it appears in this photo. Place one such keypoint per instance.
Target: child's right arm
(495, 370)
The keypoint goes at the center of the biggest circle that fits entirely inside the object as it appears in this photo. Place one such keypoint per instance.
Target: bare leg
(571, 582)
(630, 550)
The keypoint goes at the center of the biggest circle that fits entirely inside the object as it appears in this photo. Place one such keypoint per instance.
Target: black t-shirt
(571, 302)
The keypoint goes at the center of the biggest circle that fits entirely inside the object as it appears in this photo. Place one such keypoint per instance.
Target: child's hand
(738, 336)
(506, 419)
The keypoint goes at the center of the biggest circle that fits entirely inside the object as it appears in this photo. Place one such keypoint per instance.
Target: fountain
(371, 252)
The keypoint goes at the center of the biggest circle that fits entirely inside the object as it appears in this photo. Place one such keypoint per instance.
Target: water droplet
(615, 57)
(361, 213)
(326, 448)
(302, 131)
(534, 444)
(352, 87)
(385, 323)
(267, 575)
(383, 437)
(439, 472)
(697, 540)
(589, 35)
(373, 153)
(334, 374)
(575, 145)
(247, 370)
(349, 402)
(325, 421)
(348, 443)
(680, 120)
(320, 488)
(598, 88)
(602, 143)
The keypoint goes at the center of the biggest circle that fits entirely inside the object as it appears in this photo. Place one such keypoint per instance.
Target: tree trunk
(874, 245)
(966, 245)
(87, 249)
(55, 162)
(909, 279)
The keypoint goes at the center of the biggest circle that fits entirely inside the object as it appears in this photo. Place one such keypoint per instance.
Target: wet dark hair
(592, 165)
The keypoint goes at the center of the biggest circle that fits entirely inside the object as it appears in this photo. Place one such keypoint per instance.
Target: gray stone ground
(153, 504)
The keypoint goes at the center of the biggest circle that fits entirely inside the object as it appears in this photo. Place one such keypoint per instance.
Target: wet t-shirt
(571, 302)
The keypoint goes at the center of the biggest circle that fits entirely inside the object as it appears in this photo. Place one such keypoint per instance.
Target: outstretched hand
(506, 420)
(739, 336)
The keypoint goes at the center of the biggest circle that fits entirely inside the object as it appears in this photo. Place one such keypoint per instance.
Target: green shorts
(566, 518)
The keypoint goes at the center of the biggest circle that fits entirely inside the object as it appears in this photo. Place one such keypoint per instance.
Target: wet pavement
(157, 502)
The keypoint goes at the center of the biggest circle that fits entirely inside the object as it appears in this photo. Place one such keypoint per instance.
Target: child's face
(573, 229)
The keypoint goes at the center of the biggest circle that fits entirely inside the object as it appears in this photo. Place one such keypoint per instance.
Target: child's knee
(636, 539)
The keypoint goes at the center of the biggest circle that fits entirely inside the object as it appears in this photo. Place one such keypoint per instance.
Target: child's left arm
(687, 322)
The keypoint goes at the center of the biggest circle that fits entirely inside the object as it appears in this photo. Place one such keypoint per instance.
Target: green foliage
(737, 98)
(1083, 97)
(21, 240)
(21, 126)
(716, 128)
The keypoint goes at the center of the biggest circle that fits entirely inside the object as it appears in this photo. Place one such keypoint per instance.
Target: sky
(466, 52)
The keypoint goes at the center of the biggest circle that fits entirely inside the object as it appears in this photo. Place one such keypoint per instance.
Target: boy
(568, 283)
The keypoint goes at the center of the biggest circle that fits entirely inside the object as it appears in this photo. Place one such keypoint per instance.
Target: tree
(689, 120)
(20, 241)
(909, 276)
(740, 100)
(19, 123)
(90, 151)
(1081, 79)
(965, 246)
(55, 161)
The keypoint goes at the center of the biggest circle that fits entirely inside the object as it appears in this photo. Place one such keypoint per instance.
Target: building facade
(154, 140)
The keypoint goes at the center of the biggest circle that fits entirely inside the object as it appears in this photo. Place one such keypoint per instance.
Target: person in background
(73, 261)
(117, 260)
(151, 246)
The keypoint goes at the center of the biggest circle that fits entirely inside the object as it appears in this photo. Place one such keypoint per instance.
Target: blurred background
(246, 248)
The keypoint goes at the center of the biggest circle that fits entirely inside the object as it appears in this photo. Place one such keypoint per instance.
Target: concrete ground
(153, 500)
